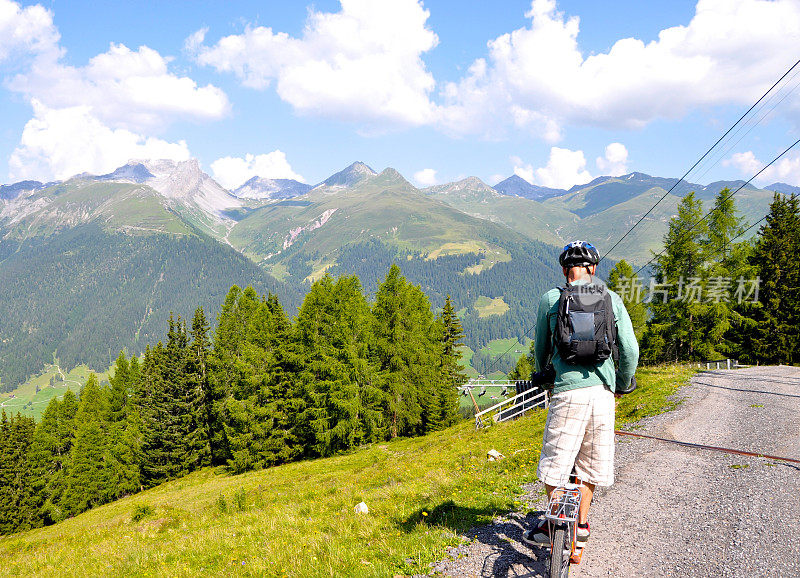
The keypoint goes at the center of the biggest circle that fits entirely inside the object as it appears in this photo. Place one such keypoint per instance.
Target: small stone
(361, 508)
(494, 455)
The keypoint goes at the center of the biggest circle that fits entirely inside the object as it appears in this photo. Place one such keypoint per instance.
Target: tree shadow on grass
(504, 554)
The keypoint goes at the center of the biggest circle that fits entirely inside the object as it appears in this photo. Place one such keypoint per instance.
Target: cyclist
(579, 432)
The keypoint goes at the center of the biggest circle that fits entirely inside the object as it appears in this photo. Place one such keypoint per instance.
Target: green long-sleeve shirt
(572, 376)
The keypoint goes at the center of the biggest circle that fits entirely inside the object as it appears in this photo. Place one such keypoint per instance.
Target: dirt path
(677, 511)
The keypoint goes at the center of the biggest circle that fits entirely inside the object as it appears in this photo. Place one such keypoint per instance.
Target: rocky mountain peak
(348, 177)
(263, 188)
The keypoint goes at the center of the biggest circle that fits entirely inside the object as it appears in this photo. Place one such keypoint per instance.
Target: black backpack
(586, 330)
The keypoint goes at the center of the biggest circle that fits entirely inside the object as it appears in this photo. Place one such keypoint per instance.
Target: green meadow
(298, 519)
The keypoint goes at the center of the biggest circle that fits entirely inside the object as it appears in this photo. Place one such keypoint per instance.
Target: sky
(555, 92)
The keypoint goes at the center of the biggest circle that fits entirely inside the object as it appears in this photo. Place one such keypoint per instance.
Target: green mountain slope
(601, 211)
(298, 519)
(303, 236)
(131, 208)
(536, 220)
(90, 268)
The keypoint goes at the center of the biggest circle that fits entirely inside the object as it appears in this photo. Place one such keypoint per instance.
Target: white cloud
(126, 88)
(538, 79)
(746, 162)
(232, 172)
(360, 64)
(93, 117)
(425, 177)
(786, 170)
(59, 143)
(25, 31)
(615, 161)
(523, 170)
(564, 169)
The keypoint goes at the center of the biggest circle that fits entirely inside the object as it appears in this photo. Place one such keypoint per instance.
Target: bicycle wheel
(560, 552)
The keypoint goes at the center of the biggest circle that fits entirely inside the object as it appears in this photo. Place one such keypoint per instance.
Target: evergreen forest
(713, 295)
(260, 390)
(85, 293)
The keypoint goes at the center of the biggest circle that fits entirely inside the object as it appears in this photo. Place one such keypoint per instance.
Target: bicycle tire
(560, 552)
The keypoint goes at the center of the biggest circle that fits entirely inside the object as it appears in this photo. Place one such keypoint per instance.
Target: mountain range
(95, 263)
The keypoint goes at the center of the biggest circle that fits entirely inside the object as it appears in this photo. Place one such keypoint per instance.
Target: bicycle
(562, 517)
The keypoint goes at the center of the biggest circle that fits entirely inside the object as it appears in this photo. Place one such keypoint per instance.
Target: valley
(93, 261)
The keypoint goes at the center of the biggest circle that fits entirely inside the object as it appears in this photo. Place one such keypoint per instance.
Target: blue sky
(558, 92)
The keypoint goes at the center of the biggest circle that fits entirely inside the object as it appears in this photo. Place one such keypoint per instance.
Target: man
(579, 432)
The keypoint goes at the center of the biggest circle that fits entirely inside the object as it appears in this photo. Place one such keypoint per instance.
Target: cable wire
(699, 161)
(650, 210)
(704, 217)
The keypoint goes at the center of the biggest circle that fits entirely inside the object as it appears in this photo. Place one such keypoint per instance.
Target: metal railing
(514, 406)
(720, 364)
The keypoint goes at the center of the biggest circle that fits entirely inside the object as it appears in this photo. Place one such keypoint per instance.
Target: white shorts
(579, 431)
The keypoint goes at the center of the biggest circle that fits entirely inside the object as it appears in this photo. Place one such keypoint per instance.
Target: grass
(491, 257)
(462, 248)
(500, 346)
(466, 361)
(486, 306)
(31, 398)
(298, 519)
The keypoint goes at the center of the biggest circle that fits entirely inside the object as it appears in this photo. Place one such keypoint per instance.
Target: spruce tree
(197, 393)
(46, 464)
(17, 502)
(776, 336)
(248, 403)
(154, 405)
(120, 389)
(452, 334)
(621, 280)
(407, 349)
(84, 487)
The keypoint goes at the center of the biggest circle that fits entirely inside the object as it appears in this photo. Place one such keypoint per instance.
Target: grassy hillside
(298, 519)
(31, 398)
(601, 211)
(86, 293)
(301, 237)
(535, 220)
(134, 209)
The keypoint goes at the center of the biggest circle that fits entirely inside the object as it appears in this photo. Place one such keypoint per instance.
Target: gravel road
(677, 511)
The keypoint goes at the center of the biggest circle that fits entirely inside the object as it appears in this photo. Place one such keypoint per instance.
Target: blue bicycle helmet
(579, 254)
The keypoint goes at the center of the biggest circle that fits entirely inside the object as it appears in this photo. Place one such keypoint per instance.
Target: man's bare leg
(587, 491)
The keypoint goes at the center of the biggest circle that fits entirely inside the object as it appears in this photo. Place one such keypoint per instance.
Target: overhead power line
(704, 217)
(700, 160)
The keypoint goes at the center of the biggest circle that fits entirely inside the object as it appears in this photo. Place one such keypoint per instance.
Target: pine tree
(525, 366)
(452, 334)
(622, 281)
(673, 332)
(342, 406)
(84, 487)
(408, 352)
(722, 323)
(776, 337)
